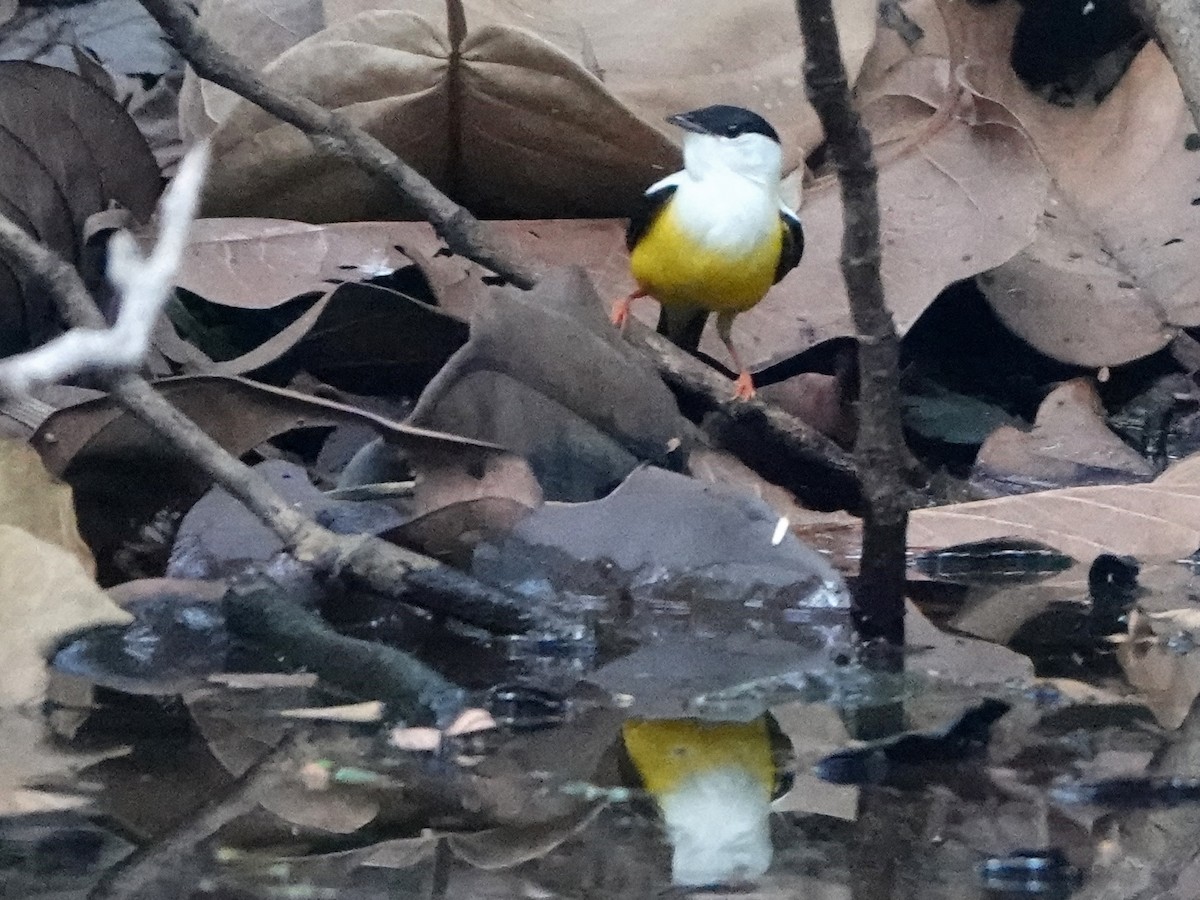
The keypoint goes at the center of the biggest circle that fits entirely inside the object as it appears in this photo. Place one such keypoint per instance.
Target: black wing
(652, 204)
(793, 245)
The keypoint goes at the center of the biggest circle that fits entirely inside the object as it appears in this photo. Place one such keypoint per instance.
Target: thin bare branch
(880, 450)
(804, 445)
(465, 235)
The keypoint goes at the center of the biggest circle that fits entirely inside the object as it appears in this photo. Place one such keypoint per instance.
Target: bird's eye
(731, 130)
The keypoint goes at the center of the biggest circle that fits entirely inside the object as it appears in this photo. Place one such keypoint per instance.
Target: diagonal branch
(362, 560)
(465, 234)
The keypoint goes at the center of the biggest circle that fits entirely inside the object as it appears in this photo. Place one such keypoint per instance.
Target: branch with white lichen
(144, 283)
(362, 560)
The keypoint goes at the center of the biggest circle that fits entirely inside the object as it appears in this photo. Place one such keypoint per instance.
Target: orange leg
(744, 386)
(621, 309)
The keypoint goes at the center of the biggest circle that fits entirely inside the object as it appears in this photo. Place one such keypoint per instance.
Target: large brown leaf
(66, 150)
(1111, 273)
(520, 109)
(1160, 520)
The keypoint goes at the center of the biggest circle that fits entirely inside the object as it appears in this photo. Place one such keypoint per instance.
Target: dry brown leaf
(479, 131)
(1110, 275)
(32, 500)
(476, 103)
(261, 263)
(32, 757)
(1159, 520)
(1069, 445)
(960, 191)
(45, 595)
(66, 150)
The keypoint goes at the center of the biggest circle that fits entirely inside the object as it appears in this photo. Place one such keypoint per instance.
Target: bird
(716, 235)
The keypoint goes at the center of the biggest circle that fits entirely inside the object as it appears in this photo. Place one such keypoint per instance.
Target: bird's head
(730, 138)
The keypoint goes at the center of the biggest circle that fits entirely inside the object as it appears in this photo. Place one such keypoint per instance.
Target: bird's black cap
(724, 121)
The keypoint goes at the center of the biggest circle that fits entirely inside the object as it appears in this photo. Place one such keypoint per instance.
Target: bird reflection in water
(712, 783)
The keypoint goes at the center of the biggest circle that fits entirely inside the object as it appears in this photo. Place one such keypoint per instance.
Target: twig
(464, 234)
(1176, 24)
(362, 560)
(157, 869)
(880, 450)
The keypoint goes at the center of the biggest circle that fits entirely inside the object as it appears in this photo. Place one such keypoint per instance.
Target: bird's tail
(682, 325)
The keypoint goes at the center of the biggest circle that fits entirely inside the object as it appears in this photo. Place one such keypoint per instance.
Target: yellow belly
(675, 269)
(667, 752)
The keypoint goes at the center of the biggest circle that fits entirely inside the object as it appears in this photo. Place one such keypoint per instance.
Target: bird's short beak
(687, 123)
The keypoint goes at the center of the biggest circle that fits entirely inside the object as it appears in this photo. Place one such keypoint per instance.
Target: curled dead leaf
(1070, 445)
(116, 463)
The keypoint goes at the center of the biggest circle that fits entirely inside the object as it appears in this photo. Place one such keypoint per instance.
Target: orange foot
(621, 309)
(620, 312)
(744, 388)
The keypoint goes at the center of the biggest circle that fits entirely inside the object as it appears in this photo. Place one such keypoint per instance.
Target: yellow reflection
(713, 783)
